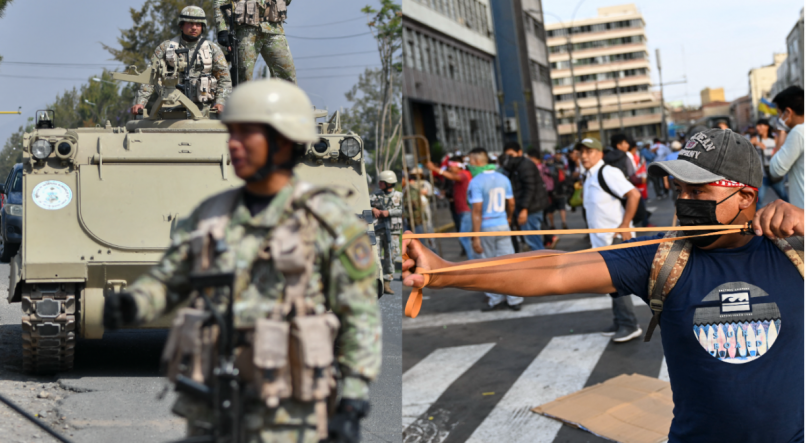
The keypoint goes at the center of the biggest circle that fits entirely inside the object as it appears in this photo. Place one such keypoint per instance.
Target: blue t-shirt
(491, 189)
(732, 333)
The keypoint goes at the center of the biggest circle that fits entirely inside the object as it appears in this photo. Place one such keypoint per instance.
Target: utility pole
(618, 100)
(518, 123)
(599, 115)
(663, 130)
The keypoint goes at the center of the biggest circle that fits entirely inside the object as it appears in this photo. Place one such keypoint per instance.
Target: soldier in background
(300, 257)
(259, 29)
(210, 82)
(387, 207)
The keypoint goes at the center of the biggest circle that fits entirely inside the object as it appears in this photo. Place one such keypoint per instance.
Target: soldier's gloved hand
(223, 39)
(120, 310)
(345, 425)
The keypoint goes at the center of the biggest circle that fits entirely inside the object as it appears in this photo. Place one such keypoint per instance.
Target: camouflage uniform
(341, 262)
(392, 202)
(268, 40)
(220, 71)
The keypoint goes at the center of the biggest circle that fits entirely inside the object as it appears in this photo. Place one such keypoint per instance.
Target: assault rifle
(226, 396)
(232, 41)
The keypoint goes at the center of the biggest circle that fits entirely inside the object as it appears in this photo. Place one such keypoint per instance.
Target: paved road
(111, 395)
(472, 376)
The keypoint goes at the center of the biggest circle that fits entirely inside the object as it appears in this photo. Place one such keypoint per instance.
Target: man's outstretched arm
(563, 274)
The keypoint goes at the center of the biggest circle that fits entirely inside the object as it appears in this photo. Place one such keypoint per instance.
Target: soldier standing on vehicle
(259, 30)
(304, 283)
(387, 207)
(210, 82)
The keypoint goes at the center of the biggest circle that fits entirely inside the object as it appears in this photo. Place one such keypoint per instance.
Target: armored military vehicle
(99, 206)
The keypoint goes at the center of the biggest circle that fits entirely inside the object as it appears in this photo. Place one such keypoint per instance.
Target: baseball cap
(589, 143)
(711, 156)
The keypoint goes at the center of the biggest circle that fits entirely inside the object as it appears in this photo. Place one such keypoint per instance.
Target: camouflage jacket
(416, 204)
(267, 27)
(343, 262)
(220, 71)
(392, 202)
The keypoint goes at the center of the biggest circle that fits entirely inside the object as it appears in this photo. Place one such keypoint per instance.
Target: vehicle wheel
(48, 329)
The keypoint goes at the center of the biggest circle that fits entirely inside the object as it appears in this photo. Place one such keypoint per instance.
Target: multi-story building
(761, 81)
(449, 88)
(524, 77)
(790, 73)
(709, 95)
(612, 72)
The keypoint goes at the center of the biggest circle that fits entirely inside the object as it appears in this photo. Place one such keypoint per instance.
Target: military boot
(387, 287)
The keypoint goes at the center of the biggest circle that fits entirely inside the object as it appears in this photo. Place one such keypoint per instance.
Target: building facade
(524, 78)
(449, 88)
(709, 95)
(761, 81)
(790, 73)
(612, 76)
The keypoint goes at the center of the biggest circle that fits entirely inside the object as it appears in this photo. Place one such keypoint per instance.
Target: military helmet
(193, 14)
(277, 103)
(388, 177)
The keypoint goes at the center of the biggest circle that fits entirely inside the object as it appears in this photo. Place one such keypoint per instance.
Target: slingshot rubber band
(415, 300)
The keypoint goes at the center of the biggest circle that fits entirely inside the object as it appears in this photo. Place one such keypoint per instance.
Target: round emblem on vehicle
(52, 195)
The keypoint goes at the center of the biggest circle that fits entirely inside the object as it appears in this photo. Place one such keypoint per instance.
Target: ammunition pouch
(246, 12)
(311, 356)
(190, 349)
(202, 89)
(271, 374)
(277, 11)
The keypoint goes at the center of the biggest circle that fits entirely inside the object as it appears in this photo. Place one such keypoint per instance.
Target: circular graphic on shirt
(52, 195)
(739, 324)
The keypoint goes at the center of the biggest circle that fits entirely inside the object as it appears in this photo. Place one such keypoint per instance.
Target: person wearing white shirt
(604, 210)
(788, 160)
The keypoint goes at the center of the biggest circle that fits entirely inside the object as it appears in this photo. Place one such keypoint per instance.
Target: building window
(545, 118)
(601, 60)
(562, 32)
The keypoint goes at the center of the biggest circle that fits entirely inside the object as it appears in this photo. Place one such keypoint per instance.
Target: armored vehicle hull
(100, 207)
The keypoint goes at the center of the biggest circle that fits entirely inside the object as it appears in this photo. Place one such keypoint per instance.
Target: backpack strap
(603, 183)
(793, 248)
(667, 267)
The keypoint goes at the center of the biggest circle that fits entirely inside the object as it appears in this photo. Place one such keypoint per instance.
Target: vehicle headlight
(350, 147)
(41, 149)
(15, 210)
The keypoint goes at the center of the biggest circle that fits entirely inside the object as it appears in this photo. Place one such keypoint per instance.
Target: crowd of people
(516, 189)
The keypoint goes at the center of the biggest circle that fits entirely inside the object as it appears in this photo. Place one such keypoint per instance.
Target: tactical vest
(671, 260)
(388, 201)
(201, 88)
(285, 357)
(255, 12)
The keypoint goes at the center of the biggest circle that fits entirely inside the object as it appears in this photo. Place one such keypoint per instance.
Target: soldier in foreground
(387, 207)
(304, 279)
(259, 29)
(209, 81)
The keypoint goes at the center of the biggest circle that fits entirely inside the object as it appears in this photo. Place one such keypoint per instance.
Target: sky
(51, 31)
(711, 43)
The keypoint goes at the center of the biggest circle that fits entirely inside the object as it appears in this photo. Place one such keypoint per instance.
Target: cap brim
(684, 171)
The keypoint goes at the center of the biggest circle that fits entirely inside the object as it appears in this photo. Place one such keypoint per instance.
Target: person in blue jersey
(492, 204)
(731, 322)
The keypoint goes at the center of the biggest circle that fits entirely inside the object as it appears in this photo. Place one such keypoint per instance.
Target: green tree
(386, 25)
(3, 4)
(12, 150)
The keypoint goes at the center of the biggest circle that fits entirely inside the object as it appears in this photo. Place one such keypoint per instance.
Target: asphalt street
(111, 395)
(473, 376)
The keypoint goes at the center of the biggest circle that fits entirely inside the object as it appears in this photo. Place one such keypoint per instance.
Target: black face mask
(701, 213)
(189, 38)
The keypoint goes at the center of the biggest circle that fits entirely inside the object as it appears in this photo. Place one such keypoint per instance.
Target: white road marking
(664, 371)
(651, 208)
(528, 310)
(560, 369)
(424, 383)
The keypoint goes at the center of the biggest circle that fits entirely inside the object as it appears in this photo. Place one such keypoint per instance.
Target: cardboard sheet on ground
(627, 409)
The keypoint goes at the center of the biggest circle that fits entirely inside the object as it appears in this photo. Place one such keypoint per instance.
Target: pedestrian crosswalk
(444, 398)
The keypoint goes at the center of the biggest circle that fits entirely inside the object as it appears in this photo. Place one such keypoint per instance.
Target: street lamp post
(664, 132)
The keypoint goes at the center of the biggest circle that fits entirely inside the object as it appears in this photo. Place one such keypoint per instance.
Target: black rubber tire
(8, 251)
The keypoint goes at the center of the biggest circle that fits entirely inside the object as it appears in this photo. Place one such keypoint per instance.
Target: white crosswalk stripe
(561, 368)
(528, 310)
(424, 383)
